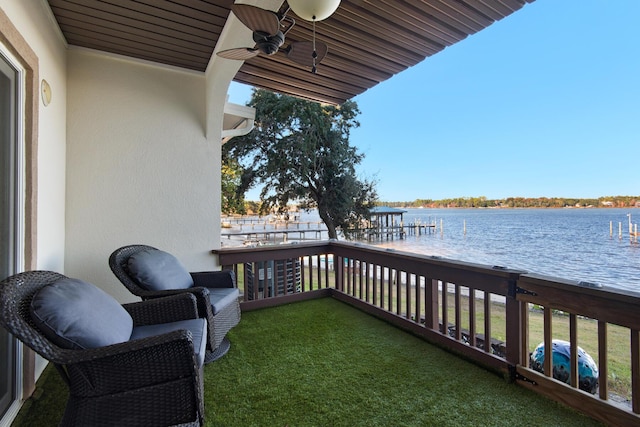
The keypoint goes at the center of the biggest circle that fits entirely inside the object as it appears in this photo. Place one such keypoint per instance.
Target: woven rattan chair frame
(219, 324)
(155, 381)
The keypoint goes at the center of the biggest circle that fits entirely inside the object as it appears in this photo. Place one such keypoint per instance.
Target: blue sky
(545, 103)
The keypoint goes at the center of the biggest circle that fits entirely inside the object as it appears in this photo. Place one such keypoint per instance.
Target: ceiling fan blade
(257, 19)
(239, 53)
(302, 52)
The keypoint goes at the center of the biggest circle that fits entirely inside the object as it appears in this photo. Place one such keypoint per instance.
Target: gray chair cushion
(156, 270)
(198, 328)
(221, 297)
(76, 315)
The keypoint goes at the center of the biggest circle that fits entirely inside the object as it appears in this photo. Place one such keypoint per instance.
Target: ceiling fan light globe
(313, 10)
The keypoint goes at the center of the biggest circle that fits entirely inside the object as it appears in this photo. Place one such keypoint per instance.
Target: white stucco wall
(125, 155)
(139, 166)
(33, 20)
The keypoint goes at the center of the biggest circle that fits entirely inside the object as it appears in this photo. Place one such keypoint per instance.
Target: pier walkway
(275, 236)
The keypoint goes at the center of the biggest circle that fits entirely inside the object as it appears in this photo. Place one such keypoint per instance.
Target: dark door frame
(17, 46)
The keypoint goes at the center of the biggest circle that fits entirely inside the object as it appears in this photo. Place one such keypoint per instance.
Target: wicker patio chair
(151, 381)
(215, 291)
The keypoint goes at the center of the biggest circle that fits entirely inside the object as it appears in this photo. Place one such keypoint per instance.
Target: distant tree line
(521, 202)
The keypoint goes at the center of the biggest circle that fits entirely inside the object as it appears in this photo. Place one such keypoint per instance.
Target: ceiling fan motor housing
(266, 43)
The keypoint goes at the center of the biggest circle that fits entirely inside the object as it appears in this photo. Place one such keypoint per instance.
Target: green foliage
(522, 202)
(299, 152)
(231, 174)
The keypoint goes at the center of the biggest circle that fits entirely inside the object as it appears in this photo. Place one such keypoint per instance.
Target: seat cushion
(198, 328)
(156, 270)
(76, 315)
(221, 297)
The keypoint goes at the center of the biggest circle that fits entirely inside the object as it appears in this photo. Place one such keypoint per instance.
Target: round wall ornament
(45, 90)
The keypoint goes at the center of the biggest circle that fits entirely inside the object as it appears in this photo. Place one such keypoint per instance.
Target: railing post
(514, 328)
(431, 303)
(338, 265)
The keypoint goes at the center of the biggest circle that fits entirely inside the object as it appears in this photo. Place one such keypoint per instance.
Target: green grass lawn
(324, 363)
(619, 353)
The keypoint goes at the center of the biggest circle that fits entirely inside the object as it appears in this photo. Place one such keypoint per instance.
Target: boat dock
(385, 224)
(398, 231)
(276, 236)
(633, 230)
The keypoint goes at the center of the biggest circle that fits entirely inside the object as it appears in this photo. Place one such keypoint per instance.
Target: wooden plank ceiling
(369, 40)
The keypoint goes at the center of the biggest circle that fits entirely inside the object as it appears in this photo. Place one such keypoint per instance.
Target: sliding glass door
(9, 81)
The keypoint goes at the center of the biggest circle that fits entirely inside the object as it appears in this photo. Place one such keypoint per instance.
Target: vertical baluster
(472, 317)
(383, 273)
(354, 272)
(310, 273)
(392, 273)
(418, 311)
(407, 290)
(431, 303)
(603, 364)
(245, 279)
(368, 281)
(524, 335)
(265, 278)
(399, 292)
(302, 276)
(319, 271)
(250, 276)
(487, 322)
(347, 275)
(352, 278)
(326, 270)
(445, 308)
(458, 314)
(363, 266)
(573, 341)
(374, 284)
(548, 346)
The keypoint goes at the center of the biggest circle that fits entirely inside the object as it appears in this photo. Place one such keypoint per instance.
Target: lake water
(568, 243)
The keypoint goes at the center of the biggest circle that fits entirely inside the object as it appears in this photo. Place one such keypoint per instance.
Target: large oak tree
(299, 152)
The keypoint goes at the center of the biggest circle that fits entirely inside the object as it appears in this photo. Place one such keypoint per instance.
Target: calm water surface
(568, 243)
(571, 244)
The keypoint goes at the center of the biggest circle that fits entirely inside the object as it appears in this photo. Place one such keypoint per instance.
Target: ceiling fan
(269, 30)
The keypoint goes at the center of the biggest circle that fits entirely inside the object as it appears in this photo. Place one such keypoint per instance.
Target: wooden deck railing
(489, 314)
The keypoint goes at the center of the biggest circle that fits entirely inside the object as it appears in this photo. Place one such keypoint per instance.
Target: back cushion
(156, 270)
(76, 315)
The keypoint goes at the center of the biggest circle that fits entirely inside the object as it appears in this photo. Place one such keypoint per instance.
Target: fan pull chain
(314, 55)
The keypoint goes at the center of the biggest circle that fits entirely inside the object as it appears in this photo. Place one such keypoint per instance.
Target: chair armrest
(171, 355)
(172, 308)
(214, 279)
(201, 295)
(146, 295)
(174, 339)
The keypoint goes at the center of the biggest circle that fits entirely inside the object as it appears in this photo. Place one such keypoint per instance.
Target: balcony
(323, 372)
(490, 315)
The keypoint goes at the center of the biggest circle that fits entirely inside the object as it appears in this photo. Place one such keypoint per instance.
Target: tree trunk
(331, 227)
